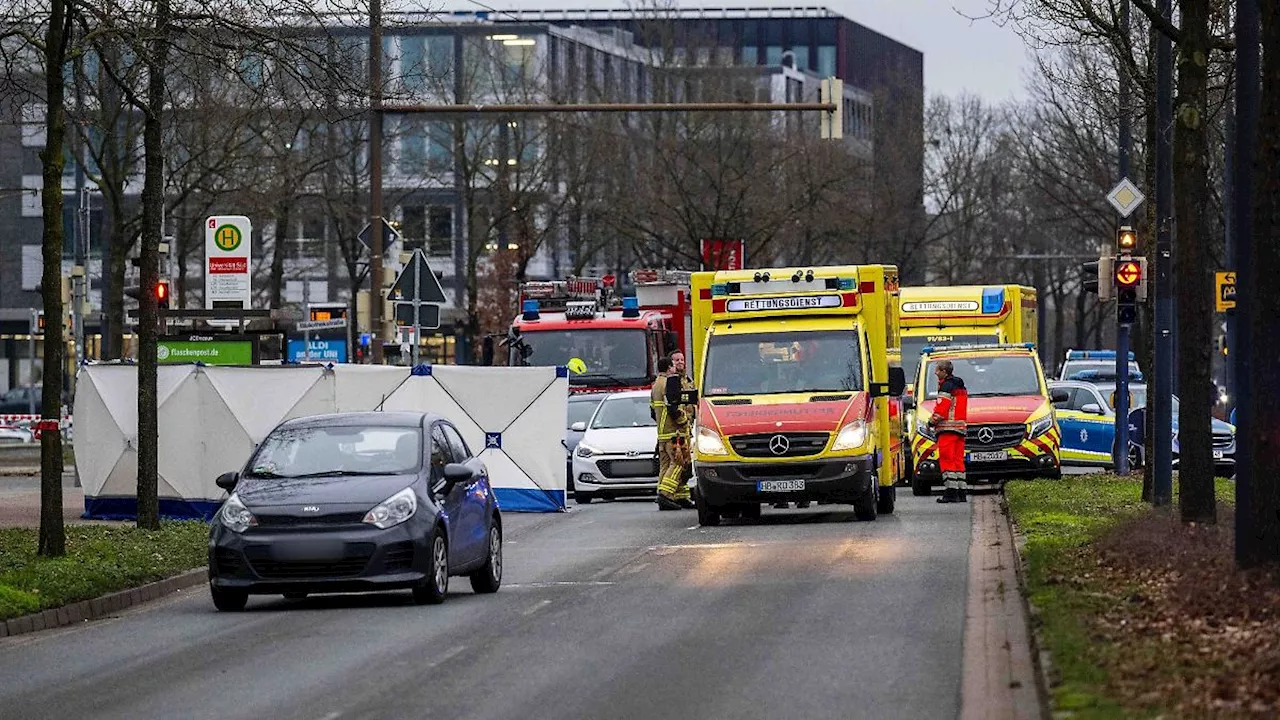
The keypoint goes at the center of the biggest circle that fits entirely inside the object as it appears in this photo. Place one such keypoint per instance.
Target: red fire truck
(619, 339)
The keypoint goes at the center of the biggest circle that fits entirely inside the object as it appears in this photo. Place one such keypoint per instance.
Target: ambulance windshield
(911, 346)
(991, 376)
(791, 362)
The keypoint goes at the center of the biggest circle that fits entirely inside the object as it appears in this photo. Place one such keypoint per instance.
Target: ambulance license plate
(779, 485)
(994, 456)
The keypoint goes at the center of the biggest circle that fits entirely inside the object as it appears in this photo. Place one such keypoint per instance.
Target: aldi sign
(324, 351)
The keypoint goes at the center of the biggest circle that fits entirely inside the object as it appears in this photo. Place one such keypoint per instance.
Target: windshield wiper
(343, 473)
(266, 474)
(605, 377)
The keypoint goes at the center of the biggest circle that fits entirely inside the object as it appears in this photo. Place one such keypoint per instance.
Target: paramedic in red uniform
(948, 421)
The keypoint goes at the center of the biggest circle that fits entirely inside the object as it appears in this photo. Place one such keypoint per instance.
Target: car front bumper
(1032, 457)
(836, 480)
(606, 476)
(338, 559)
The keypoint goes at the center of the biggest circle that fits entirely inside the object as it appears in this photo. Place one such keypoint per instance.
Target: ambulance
(964, 314)
(797, 399)
(1012, 428)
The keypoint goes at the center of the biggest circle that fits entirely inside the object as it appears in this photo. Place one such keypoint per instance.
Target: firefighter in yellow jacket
(674, 421)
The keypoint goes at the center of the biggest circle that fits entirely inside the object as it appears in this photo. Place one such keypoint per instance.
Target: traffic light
(1095, 277)
(1126, 240)
(1128, 277)
(162, 294)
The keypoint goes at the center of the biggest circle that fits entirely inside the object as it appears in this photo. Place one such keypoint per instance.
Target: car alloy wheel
(434, 587)
(495, 554)
(488, 577)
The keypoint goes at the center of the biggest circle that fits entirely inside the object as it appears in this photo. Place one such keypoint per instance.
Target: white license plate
(779, 485)
(1217, 454)
(993, 456)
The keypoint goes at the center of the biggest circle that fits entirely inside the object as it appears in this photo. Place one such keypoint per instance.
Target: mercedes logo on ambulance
(779, 445)
(986, 435)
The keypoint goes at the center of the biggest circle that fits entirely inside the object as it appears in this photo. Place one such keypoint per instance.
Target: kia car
(617, 455)
(356, 502)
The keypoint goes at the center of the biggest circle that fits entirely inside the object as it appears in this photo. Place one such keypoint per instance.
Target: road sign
(1128, 273)
(389, 236)
(1226, 296)
(228, 244)
(1125, 197)
(320, 351)
(428, 315)
(429, 289)
(308, 325)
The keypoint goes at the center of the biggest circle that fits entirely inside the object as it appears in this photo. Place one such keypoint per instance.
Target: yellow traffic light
(1127, 240)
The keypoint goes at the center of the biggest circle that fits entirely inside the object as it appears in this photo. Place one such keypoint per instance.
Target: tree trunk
(276, 283)
(53, 536)
(113, 293)
(1193, 265)
(1263, 544)
(149, 276)
(1145, 350)
(1081, 340)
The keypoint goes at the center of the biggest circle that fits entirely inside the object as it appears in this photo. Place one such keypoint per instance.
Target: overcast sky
(959, 55)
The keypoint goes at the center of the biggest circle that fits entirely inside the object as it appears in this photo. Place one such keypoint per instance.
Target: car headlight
(235, 516)
(851, 436)
(709, 442)
(394, 510)
(1041, 426)
(585, 451)
(924, 430)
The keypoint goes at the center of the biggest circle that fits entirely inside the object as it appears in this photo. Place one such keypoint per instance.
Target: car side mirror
(908, 403)
(1092, 409)
(1059, 396)
(228, 481)
(457, 472)
(578, 427)
(897, 381)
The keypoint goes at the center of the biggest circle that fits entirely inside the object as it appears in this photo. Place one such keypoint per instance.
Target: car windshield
(611, 356)
(339, 450)
(990, 376)
(913, 346)
(808, 361)
(623, 412)
(580, 410)
(1103, 368)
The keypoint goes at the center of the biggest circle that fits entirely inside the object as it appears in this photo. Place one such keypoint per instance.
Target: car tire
(295, 596)
(435, 586)
(489, 577)
(751, 511)
(707, 516)
(888, 498)
(582, 498)
(864, 508)
(920, 485)
(228, 600)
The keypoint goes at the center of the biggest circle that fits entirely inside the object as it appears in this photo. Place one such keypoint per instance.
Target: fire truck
(618, 339)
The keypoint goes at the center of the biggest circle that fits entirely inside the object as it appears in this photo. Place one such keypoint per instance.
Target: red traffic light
(608, 281)
(1128, 273)
(162, 294)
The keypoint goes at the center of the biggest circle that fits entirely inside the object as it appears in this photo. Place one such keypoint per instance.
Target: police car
(1090, 365)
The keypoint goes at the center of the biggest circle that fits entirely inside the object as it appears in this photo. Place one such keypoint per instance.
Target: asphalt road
(611, 611)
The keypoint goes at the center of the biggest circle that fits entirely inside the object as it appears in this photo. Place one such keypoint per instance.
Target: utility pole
(306, 334)
(1160, 401)
(1245, 134)
(376, 298)
(1121, 458)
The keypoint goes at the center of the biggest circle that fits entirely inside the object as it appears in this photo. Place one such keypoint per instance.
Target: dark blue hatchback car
(356, 502)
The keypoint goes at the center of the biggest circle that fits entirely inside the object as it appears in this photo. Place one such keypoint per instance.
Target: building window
(802, 56)
(773, 55)
(413, 226)
(413, 146)
(750, 55)
(440, 225)
(440, 152)
(827, 60)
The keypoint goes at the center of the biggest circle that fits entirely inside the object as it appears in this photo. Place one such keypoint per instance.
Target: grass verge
(99, 560)
(1101, 565)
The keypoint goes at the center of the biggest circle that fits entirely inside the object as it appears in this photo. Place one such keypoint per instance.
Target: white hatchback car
(617, 457)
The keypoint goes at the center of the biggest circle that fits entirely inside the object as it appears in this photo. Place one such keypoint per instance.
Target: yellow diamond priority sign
(1125, 197)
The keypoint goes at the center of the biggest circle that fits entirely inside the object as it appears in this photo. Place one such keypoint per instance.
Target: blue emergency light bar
(1094, 355)
(992, 300)
(529, 310)
(630, 306)
(993, 346)
(1091, 375)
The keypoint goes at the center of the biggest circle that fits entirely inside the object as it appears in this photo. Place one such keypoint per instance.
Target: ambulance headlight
(709, 442)
(1040, 427)
(851, 436)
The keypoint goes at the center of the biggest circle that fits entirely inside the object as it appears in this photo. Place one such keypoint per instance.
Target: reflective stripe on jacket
(951, 414)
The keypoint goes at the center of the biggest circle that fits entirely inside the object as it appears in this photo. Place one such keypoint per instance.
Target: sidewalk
(1000, 680)
(20, 501)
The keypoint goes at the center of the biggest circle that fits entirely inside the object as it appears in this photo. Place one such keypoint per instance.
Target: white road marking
(536, 607)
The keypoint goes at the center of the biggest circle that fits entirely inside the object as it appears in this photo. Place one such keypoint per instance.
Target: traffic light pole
(1120, 460)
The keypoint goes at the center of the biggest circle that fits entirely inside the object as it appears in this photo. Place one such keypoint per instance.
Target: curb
(104, 606)
(1039, 651)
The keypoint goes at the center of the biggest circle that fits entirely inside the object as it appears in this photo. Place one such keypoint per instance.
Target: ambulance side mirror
(908, 403)
(897, 381)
